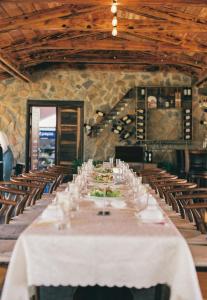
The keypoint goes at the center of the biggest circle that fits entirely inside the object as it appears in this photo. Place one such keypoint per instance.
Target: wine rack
(167, 98)
(141, 114)
(187, 113)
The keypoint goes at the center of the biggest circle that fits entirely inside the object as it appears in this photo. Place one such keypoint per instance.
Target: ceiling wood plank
(11, 68)
(168, 14)
(141, 61)
(120, 2)
(28, 21)
(202, 77)
(117, 44)
(93, 23)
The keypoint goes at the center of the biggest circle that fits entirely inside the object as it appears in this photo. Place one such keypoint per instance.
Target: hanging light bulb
(114, 8)
(114, 21)
(114, 31)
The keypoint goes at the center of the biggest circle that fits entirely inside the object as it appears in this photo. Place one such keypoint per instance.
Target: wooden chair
(49, 179)
(177, 189)
(34, 190)
(191, 199)
(16, 196)
(7, 209)
(163, 185)
(198, 210)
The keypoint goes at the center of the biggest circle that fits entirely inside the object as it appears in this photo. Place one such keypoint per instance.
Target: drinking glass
(141, 202)
(63, 204)
(111, 161)
(118, 162)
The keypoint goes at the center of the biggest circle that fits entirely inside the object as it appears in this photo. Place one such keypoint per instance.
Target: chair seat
(11, 231)
(199, 254)
(189, 233)
(6, 248)
(200, 239)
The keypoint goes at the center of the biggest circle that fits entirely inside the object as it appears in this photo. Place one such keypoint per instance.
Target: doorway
(54, 133)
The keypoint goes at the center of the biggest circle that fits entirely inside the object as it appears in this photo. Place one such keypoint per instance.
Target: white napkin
(152, 201)
(52, 213)
(151, 215)
(117, 203)
(100, 201)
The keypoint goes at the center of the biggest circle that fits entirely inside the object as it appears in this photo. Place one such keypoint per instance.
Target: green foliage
(97, 162)
(169, 167)
(75, 164)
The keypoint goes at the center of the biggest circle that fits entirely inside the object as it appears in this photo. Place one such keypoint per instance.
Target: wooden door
(69, 134)
(69, 130)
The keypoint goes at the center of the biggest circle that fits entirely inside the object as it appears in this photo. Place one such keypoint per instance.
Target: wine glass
(63, 205)
(141, 202)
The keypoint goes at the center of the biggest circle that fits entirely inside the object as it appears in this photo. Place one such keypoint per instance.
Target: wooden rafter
(11, 68)
(164, 34)
(120, 2)
(202, 77)
(168, 14)
(93, 23)
(31, 20)
(116, 44)
(42, 40)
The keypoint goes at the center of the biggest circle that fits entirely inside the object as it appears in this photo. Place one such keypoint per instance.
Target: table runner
(115, 250)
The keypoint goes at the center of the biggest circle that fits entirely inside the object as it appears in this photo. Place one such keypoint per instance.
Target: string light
(114, 20)
(114, 31)
(114, 7)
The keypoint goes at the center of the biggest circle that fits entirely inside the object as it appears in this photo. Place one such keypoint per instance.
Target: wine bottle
(187, 130)
(114, 130)
(141, 124)
(186, 124)
(140, 137)
(177, 99)
(128, 121)
(142, 92)
(141, 130)
(140, 117)
(125, 134)
(189, 92)
(125, 118)
(187, 117)
(167, 104)
(119, 128)
(141, 111)
(100, 113)
(187, 111)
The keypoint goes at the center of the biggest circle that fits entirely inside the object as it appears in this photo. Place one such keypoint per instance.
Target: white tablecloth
(116, 250)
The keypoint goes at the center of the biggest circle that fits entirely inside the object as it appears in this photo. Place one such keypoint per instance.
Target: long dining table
(111, 250)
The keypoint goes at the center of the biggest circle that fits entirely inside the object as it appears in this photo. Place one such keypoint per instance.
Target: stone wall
(98, 89)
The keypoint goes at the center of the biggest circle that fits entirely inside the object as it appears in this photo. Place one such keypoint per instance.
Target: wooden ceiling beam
(117, 60)
(116, 44)
(29, 20)
(93, 23)
(126, 67)
(202, 77)
(12, 68)
(45, 40)
(168, 14)
(120, 2)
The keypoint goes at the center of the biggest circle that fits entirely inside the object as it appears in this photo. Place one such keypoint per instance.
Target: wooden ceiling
(152, 35)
